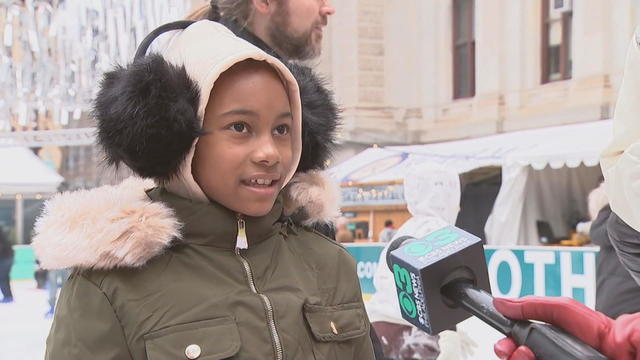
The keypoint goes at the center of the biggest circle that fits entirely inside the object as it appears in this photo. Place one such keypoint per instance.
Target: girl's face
(242, 160)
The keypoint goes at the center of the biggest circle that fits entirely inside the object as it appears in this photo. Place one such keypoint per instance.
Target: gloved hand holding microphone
(441, 279)
(616, 339)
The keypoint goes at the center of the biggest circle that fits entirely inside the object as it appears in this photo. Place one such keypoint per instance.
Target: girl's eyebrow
(285, 115)
(243, 112)
(247, 112)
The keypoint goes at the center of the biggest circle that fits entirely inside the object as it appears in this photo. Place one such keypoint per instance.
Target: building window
(556, 40)
(464, 49)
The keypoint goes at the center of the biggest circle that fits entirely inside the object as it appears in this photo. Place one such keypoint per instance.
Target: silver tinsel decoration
(53, 53)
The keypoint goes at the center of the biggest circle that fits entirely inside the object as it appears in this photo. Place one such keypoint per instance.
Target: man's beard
(292, 46)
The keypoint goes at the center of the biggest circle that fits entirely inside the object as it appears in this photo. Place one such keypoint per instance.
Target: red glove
(616, 339)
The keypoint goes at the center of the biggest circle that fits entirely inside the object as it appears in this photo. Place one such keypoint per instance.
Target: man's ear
(263, 6)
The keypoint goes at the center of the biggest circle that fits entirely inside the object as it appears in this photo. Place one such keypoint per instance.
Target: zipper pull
(241, 240)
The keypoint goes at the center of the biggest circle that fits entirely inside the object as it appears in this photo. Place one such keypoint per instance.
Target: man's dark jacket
(616, 292)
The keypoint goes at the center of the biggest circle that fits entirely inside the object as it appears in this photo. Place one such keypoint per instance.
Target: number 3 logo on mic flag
(403, 283)
(408, 305)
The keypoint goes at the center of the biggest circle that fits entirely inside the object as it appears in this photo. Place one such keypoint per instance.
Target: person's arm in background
(621, 165)
(616, 339)
(626, 241)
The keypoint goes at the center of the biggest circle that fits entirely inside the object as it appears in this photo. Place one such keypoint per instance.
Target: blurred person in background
(432, 194)
(6, 262)
(343, 234)
(286, 29)
(55, 281)
(387, 233)
(41, 275)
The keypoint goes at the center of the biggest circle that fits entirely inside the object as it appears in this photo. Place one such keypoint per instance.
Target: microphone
(441, 279)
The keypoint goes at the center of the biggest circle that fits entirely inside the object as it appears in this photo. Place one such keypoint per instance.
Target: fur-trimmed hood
(119, 226)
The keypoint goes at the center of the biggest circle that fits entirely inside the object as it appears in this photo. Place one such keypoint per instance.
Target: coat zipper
(267, 303)
(241, 239)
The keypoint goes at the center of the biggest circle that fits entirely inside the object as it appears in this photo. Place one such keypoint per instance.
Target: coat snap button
(192, 352)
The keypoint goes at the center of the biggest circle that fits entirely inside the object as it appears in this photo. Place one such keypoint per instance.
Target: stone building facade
(391, 64)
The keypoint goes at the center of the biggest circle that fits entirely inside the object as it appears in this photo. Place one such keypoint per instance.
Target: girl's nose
(266, 152)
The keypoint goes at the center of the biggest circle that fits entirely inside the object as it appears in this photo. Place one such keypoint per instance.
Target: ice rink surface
(23, 327)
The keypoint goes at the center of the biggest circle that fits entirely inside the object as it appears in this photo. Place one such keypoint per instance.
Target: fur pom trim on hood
(314, 193)
(119, 226)
(103, 228)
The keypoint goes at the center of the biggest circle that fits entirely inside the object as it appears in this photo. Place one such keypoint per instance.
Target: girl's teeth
(260, 182)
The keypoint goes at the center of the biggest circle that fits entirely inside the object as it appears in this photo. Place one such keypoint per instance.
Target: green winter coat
(293, 294)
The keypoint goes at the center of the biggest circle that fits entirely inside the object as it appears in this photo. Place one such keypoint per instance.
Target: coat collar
(212, 224)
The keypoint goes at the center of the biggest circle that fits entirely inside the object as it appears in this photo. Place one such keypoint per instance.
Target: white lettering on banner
(366, 269)
(509, 258)
(585, 281)
(539, 259)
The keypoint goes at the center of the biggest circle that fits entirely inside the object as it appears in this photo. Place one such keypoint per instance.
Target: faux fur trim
(122, 229)
(316, 194)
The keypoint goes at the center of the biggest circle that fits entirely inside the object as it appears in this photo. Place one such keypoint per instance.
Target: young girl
(206, 264)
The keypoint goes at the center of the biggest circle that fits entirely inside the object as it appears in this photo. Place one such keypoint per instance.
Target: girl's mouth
(262, 181)
(259, 182)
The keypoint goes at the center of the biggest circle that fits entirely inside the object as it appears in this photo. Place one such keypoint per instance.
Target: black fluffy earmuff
(320, 118)
(146, 112)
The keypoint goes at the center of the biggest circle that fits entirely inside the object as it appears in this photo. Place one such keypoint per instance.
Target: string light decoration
(53, 53)
(364, 194)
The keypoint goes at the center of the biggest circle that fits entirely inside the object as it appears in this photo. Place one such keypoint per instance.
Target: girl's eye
(239, 127)
(281, 130)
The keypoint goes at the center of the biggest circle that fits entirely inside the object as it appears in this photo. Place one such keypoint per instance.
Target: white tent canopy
(559, 146)
(22, 172)
(518, 153)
